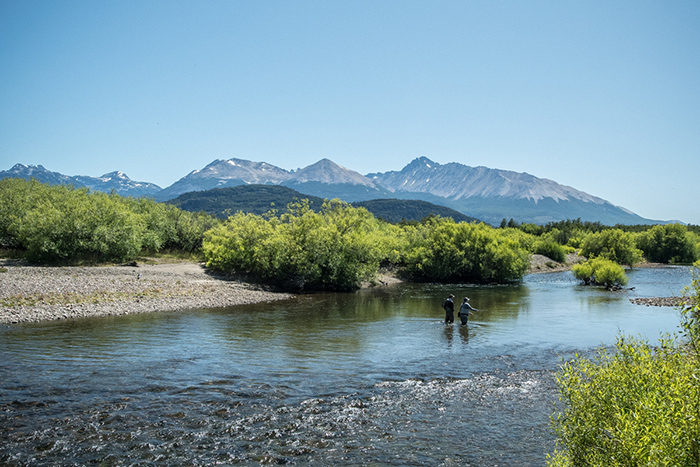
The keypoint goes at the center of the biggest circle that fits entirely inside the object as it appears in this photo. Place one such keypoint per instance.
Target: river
(369, 378)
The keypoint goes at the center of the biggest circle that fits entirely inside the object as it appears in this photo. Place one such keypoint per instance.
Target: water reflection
(457, 331)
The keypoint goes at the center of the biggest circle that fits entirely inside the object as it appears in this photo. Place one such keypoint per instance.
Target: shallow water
(369, 378)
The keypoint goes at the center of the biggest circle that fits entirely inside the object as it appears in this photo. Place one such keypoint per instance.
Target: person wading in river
(449, 307)
(465, 310)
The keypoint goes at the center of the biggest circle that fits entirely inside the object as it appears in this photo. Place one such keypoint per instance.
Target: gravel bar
(32, 294)
(661, 301)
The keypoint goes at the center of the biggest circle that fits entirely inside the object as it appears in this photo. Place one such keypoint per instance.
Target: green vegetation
(690, 315)
(614, 244)
(254, 199)
(62, 224)
(334, 249)
(671, 243)
(551, 249)
(638, 405)
(327, 245)
(600, 271)
(442, 250)
(341, 246)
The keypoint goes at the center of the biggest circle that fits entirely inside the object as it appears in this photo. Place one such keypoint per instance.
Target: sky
(598, 95)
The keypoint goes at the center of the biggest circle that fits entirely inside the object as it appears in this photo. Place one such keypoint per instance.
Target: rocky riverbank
(542, 264)
(31, 293)
(660, 301)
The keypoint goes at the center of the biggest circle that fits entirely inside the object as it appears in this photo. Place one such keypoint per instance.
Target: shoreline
(38, 293)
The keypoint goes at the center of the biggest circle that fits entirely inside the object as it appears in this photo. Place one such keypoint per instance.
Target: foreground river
(370, 378)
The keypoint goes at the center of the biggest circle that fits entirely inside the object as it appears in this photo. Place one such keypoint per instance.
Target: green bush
(690, 312)
(671, 243)
(17, 197)
(637, 406)
(551, 250)
(335, 249)
(71, 224)
(169, 228)
(53, 224)
(441, 250)
(600, 271)
(613, 244)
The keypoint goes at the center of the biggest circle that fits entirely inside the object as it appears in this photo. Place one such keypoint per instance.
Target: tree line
(335, 246)
(63, 224)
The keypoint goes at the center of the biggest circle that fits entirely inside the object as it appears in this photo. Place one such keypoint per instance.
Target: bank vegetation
(334, 247)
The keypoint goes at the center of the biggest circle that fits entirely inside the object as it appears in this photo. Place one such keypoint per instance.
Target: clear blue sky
(603, 96)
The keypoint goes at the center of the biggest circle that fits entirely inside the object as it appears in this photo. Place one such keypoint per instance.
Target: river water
(369, 378)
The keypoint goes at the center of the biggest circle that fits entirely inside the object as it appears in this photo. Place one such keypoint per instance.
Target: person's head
(451, 296)
(466, 299)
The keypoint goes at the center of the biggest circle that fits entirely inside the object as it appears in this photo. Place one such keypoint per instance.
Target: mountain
(113, 181)
(478, 192)
(225, 173)
(325, 179)
(493, 194)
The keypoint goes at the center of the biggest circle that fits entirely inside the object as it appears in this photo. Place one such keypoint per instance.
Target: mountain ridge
(116, 181)
(478, 192)
(483, 182)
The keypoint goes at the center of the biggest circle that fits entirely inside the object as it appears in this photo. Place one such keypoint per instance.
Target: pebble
(34, 293)
(660, 301)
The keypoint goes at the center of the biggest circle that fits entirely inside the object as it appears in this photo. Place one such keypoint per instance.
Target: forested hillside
(254, 199)
(397, 210)
(259, 199)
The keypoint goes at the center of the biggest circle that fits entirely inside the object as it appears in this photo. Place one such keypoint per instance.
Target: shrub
(671, 243)
(63, 224)
(600, 271)
(636, 406)
(71, 224)
(441, 250)
(639, 405)
(335, 249)
(690, 312)
(613, 244)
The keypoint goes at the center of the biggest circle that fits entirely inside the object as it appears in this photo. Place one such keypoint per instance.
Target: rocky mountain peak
(114, 181)
(117, 174)
(327, 171)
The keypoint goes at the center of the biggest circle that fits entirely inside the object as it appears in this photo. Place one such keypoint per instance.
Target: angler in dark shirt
(449, 307)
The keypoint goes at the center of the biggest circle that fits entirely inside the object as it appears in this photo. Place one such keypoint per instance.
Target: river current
(368, 378)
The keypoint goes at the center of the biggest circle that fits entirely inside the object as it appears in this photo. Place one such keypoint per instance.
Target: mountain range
(113, 181)
(479, 192)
